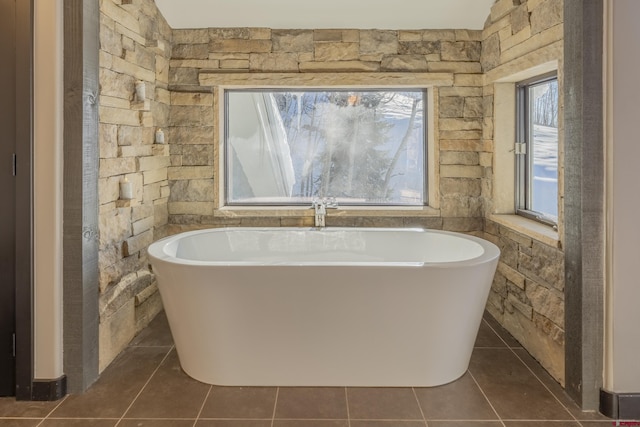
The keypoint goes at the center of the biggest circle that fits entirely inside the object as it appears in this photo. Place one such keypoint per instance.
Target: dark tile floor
(145, 386)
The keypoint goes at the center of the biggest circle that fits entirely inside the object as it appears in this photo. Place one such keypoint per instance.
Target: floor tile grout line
(144, 386)
(545, 387)
(346, 398)
(53, 410)
(415, 395)
(533, 373)
(204, 402)
(493, 408)
(275, 405)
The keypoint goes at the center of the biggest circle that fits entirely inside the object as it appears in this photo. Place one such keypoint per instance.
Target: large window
(361, 147)
(537, 149)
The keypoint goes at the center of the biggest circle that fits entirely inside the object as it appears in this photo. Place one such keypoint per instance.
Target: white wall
(48, 121)
(622, 334)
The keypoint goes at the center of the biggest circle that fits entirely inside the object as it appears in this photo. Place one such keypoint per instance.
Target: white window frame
(305, 204)
(524, 151)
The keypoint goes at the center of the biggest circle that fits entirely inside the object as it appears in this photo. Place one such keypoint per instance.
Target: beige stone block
(490, 57)
(540, 40)
(520, 18)
(469, 187)
(117, 166)
(190, 36)
(445, 124)
(109, 101)
(194, 190)
(143, 225)
(460, 134)
(190, 51)
(156, 175)
(240, 46)
(190, 172)
(512, 275)
(404, 63)
(105, 60)
(459, 158)
(153, 162)
(486, 159)
(438, 35)
(409, 35)
(455, 67)
(162, 70)
(108, 137)
(468, 35)
(116, 85)
(151, 192)
(504, 34)
(234, 64)
(461, 51)
(547, 302)
(110, 41)
(241, 33)
(191, 208)
(274, 62)
(160, 216)
(197, 155)
(191, 98)
(495, 27)
(260, 33)
(291, 41)
(116, 331)
(462, 224)
(336, 51)
(327, 35)
(378, 41)
(196, 63)
(468, 80)
(140, 212)
(349, 36)
(191, 135)
(373, 57)
(108, 190)
(514, 303)
(191, 115)
(228, 55)
(451, 106)
(118, 14)
(135, 150)
(501, 8)
(139, 73)
(147, 309)
(338, 66)
(419, 48)
(465, 145)
(473, 107)
(461, 171)
(133, 35)
(183, 76)
(547, 15)
(137, 243)
(460, 91)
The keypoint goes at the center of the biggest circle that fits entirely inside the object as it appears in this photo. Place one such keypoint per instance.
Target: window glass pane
(290, 146)
(543, 148)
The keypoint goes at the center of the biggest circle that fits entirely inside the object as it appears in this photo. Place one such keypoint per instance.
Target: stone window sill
(345, 211)
(534, 229)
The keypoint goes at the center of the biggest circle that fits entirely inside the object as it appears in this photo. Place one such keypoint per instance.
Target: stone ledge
(534, 229)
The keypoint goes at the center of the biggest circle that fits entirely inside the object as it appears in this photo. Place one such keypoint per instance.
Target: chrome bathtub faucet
(320, 207)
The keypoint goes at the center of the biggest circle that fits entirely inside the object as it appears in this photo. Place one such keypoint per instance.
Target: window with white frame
(537, 148)
(363, 147)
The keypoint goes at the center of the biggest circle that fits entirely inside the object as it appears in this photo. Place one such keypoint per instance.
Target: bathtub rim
(161, 249)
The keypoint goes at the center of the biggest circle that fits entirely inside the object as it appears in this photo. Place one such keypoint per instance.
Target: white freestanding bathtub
(324, 307)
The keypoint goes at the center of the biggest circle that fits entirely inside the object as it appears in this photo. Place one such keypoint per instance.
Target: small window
(537, 149)
(289, 146)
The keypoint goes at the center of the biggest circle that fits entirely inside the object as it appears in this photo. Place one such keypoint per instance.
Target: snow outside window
(361, 147)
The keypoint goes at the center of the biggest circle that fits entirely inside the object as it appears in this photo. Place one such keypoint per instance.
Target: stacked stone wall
(527, 296)
(458, 112)
(135, 49)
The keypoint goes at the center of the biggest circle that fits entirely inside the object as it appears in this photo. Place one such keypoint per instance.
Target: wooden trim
(24, 199)
(584, 200)
(80, 229)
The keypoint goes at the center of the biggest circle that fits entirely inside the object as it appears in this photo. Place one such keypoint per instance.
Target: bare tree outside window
(362, 147)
